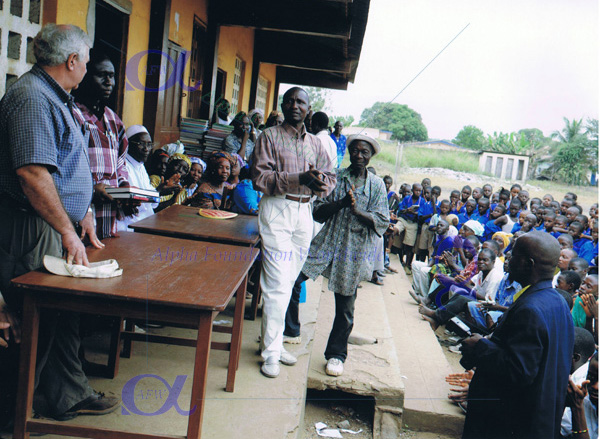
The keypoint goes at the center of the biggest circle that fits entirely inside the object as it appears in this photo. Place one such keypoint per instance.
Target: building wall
(139, 29)
(181, 29)
(494, 158)
(236, 41)
(66, 12)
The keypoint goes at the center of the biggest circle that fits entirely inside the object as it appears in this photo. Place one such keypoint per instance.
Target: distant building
(371, 132)
(512, 167)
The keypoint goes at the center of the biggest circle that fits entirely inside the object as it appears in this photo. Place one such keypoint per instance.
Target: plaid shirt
(37, 128)
(107, 150)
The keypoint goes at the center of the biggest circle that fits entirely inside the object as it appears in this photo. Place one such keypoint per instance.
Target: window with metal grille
(237, 85)
(261, 94)
(19, 23)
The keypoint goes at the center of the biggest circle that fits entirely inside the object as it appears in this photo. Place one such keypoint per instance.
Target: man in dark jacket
(522, 370)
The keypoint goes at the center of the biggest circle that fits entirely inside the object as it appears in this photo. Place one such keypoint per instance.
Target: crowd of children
(461, 276)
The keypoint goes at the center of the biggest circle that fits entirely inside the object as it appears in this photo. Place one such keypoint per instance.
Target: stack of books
(133, 193)
(192, 134)
(213, 139)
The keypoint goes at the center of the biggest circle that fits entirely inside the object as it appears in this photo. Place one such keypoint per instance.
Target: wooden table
(191, 290)
(185, 222)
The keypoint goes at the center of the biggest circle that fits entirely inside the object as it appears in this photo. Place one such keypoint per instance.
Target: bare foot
(426, 311)
(434, 325)
(415, 297)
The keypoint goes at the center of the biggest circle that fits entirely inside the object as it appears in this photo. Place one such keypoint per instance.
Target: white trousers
(420, 272)
(379, 255)
(286, 229)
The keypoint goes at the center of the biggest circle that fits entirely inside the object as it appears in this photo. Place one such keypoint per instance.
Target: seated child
(191, 181)
(169, 187)
(245, 198)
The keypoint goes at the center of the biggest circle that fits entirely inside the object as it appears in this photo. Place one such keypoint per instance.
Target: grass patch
(432, 158)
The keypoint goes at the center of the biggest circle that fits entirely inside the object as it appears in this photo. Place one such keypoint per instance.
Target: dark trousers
(292, 315)
(456, 305)
(24, 240)
(337, 345)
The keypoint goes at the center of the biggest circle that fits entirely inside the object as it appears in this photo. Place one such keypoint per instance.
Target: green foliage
(576, 151)
(470, 137)
(318, 98)
(346, 120)
(404, 123)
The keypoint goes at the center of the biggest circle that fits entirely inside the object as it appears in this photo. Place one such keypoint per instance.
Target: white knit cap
(136, 129)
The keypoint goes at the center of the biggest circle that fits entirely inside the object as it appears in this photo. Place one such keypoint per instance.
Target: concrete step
(422, 362)
(260, 407)
(370, 370)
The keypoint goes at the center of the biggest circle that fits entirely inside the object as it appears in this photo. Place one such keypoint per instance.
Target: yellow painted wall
(66, 12)
(139, 29)
(236, 41)
(181, 30)
(268, 71)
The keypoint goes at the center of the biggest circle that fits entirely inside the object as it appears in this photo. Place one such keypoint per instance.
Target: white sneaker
(335, 367)
(270, 368)
(292, 340)
(287, 358)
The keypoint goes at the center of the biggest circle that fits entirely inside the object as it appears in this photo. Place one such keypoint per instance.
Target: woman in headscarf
(503, 240)
(192, 181)
(178, 167)
(256, 117)
(213, 189)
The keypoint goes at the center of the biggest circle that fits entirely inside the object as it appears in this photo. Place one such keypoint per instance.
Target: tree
(576, 151)
(404, 123)
(318, 98)
(470, 137)
(346, 120)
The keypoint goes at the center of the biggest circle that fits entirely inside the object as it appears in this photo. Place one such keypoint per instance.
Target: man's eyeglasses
(148, 145)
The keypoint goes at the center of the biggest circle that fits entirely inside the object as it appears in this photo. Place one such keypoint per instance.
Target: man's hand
(501, 221)
(590, 305)
(469, 343)
(313, 179)
(100, 194)
(170, 186)
(9, 324)
(74, 248)
(130, 207)
(576, 394)
(88, 229)
(349, 198)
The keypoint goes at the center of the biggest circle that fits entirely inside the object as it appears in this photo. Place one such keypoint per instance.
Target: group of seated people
(222, 182)
(461, 278)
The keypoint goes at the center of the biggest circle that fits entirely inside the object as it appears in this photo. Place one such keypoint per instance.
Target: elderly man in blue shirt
(46, 187)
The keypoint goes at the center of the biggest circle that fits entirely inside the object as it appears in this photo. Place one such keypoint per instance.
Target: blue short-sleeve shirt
(37, 127)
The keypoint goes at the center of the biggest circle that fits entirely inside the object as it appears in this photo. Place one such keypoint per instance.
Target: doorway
(111, 34)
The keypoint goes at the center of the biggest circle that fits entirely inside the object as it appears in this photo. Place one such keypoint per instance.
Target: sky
(518, 64)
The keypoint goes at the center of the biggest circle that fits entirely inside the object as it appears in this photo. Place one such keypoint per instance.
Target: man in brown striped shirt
(289, 166)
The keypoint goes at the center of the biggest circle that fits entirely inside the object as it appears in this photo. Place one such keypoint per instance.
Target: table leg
(29, 341)
(200, 373)
(115, 348)
(256, 291)
(236, 335)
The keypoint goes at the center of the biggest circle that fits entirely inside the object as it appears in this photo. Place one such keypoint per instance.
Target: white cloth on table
(286, 229)
(98, 270)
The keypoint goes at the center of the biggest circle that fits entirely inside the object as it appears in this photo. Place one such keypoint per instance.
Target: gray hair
(55, 43)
